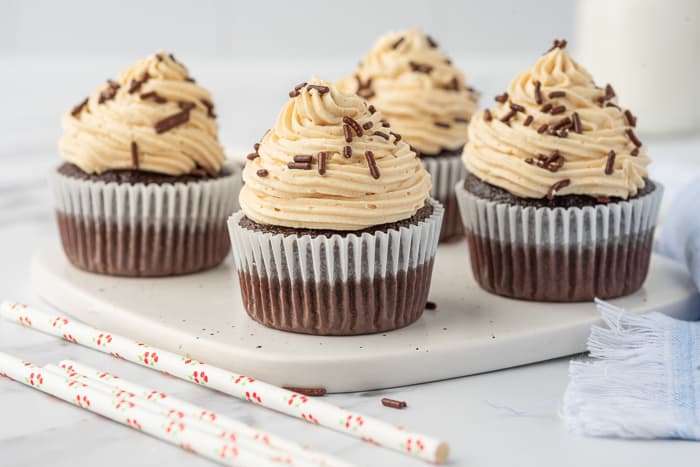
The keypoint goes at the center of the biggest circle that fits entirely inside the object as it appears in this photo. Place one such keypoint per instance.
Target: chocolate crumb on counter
(75, 111)
(610, 163)
(394, 404)
(312, 392)
(538, 92)
(556, 187)
(372, 164)
(172, 121)
(501, 98)
(633, 137)
(155, 96)
(322, 163)
(134, 155)
(352, 123)
(430, 305)
(262, 173)
(347, 152)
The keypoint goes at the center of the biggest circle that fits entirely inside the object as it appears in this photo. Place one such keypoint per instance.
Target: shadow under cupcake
(425, 99)
(556, 204)
(144, 190)
(336, 233)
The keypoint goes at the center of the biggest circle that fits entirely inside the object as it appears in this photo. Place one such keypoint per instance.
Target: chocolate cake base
(134, 176)
(566, 274)
(367, 306)
(142, 250)
(445, 169)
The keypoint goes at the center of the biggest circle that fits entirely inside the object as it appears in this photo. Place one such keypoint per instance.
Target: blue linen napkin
(643, 380)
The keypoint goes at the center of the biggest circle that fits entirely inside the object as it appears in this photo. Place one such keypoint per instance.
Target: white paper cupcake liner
(445, 172)
(560, 254)
(350, 284)
(144, 229)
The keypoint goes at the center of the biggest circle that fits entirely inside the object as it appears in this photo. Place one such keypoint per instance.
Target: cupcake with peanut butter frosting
(337, 232)
(425, 99)
(557, 203)
(144, 189)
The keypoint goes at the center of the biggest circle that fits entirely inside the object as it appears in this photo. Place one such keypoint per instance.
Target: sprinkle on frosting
(415, 85)
(564, 114)
(151, 102)
(307, 175)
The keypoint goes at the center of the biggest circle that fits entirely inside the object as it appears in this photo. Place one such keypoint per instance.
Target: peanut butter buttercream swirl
(554, 133)
(154, 118)
(417, 89)
(331, 163)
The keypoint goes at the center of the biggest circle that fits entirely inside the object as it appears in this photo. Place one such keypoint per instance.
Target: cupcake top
(331, 163)
(417, 89)
(555, 133)
(153, 118)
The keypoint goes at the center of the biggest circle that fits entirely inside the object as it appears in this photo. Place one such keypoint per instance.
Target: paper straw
(174, 432)
(273, 397)
(172, 406)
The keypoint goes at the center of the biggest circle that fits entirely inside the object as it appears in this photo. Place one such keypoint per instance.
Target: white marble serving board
(471, 331)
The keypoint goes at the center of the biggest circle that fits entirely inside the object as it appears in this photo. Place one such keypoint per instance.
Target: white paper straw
(172, 406)
(117, 409)
(291, 403)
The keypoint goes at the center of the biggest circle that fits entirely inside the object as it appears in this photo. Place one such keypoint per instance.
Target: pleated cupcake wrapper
(336, 258)
(445, 172)
(156, 219)
(560, 254)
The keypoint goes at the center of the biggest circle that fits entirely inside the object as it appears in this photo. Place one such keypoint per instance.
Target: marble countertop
(38, 430)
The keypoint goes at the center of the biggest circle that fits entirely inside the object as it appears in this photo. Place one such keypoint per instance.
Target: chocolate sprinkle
(367, 125)
(313, 392)
(635, 152)
(386, 124)
(558, 44)
(322, 163)
(347, 133)
(420, 67)
(633, 137)
(303, 158)
(576, 120)
(252, 156)
(506, 118)
(134, 155)
(392, 403)
(631, 119)
(563, 123)
(542, 129)
(610, 164)
(501, 98)
(184, 105)
(381, 134)
(136, 84)
(155, 96)
(555, 94)
(262, 173)
(210, 107)
(546, 108)
(538, 92)
(529, 160)
(321, 89)
(528, 120)
(172, 121)
(397, 137)
(558, 110)
(256, 146)
(431, 42)
(396, 44)
(299, 165)
(556, 187)
(371, 109)
(352, 123)
(442, 124)
(553, 162)
(430, 305)
(372, 164)
(75, 111)
(487, 115)
(461, 120)
(517, 107)
(109, 93)
(347, 152)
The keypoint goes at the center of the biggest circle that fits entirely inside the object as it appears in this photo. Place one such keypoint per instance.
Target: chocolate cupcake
(144, 190)
(426, 100)
(557, 205)
(336, 233)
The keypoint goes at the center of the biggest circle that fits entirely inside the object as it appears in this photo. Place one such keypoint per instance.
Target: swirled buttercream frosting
(330, 162)
(555, 133)
(153, 118)
(417, 89)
